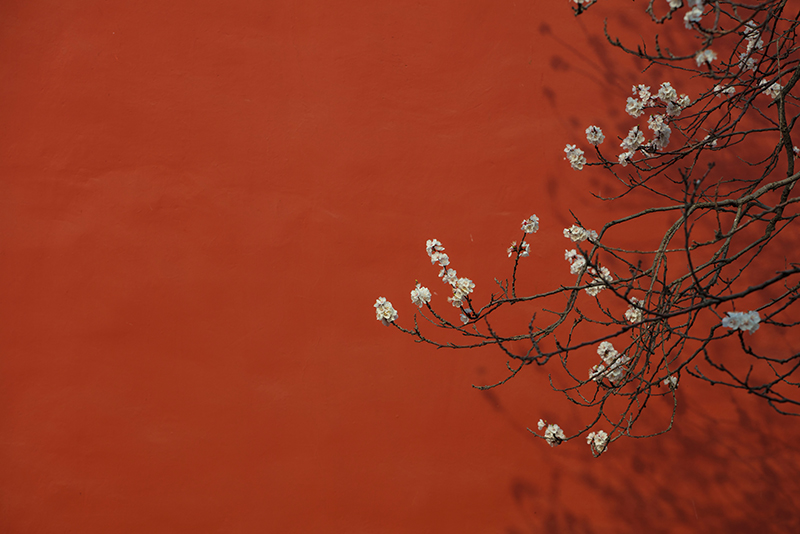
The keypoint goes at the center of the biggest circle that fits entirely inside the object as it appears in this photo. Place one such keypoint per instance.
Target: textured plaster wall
(200, 202)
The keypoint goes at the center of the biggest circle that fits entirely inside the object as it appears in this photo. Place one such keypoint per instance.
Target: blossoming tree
(720, 271)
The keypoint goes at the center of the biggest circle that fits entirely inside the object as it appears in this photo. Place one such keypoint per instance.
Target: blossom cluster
(384, 311)
(575, 157)
(576, 261)
(744, 321)
(600, 281)
(524, 249)
(578, 234)
(754, 44)
(553, 435)
(530, 225)
(420, 295)
(461, 286)
(598, 441)
(773, 91)
(613, 367)
(634, 313)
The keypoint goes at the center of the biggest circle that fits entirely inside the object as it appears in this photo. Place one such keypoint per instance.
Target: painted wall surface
(200, 202)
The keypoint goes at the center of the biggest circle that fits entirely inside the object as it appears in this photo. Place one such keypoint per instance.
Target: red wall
(200, 202)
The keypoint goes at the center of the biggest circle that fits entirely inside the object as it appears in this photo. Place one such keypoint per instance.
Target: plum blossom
(634, 107)
(594, 135)
(693, 15)
(433, 245)
(634, 140)
(575, 157)
(660, 130)
(705, 57)
(614, 368)
(674, 4)
(448, 276)
(745, 321)
(773, 91)
(578, 234)
(671, 381)
(523, 250)
(600, 282)
(441, 257)
(542, 423)
(420, 295)
(384, 311)
(634, 314)
(724, 90)
(746, 62)
(596, 372)
(531, 224)
(576, 260)
(598, 441)
(643, 92)
(554, 435)
(667, 93)
(461, 288)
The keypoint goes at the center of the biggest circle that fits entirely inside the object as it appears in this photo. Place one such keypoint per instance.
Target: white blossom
(578, 234)
(607, 351)
(433, 245)
(613, 366)
(745, 321)
(420, 295)
(461, 288)
(674, 4)
(554, 435)
(575, 157)
(693, 15)
(667, 93)
(441, 257)
(633, 313)
(465, 286)
(746, 62)
(624, 158)
(643, 92)
(634, 140)
(773, 91)
(796, 151)
(596, 372)
(384, 311)
(600, 282)
(464, 319)
(634, 107)
(512, 249)
(674, 109)
(616, 372)
(598, 441)
(594, 135)
(671, 381)
(576, 260)
(724, 90)
(705, 57)
(531, 224)
(541, 424)
(448, 276)
(753, 36)
(660, 130)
